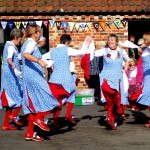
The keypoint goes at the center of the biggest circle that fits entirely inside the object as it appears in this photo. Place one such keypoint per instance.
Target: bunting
(45, 22)
(17, 24)
(124, 22)
(103, 24)
(117, 23)
(65, 25)
(89, 25)
(24, 24)
(71, 26)
(39, 23)
(51, 22)
(58, 25)
(96, 25)
(109, 23)
(32, 23)
(83, 25)
(77, 26)
(4, 24)
(11, 24)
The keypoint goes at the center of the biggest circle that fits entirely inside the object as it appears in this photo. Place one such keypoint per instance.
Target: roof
(74, 6)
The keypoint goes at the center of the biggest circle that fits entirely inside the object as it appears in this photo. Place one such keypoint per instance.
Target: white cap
(41, 39)
(140, 41)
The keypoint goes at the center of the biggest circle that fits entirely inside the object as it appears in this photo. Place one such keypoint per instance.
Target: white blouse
(31, 46)
(146, 51)
(11, 50)
(71, 52)
(114, 53)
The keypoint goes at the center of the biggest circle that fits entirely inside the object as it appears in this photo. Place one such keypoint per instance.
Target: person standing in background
(41, 43)
(133, 52)
(96, 65)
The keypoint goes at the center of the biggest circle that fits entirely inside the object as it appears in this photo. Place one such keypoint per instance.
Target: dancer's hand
(41, 63)
(89, 39)
(18, 73)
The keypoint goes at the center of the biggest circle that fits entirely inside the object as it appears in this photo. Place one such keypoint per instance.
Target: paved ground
(87, 135)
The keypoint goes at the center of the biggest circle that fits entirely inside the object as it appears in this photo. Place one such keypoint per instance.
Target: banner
(96, 25)
(39, 23)
(4, 24)
(77, 26)
(65, 25)
(32, 23)
(24, 24)
(51, 22)
(109, 23)
(71, 26)
(117, 23)
(124, 22)
(103, 24)
(11, 24)
(17, 24)
(58, 25)
(45, 22)
(83, 25)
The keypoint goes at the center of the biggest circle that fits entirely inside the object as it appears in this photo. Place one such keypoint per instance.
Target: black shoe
(99, 102)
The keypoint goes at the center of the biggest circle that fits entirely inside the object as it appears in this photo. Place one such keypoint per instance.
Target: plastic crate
(84, 100)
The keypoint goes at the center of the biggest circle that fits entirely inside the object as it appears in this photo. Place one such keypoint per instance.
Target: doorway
(138, 28)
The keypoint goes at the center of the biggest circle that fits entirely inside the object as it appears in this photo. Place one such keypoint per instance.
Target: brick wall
(100, 36)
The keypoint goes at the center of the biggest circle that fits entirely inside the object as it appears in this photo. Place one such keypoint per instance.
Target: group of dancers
(24, 87)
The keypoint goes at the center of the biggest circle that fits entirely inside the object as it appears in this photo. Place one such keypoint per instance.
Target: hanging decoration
(89, 24)
(58, 25)
(11, 24)
(71, 26)
(24, 24)
(109, 23)
(103, 24)
(32, 23)
(96, 25)
(83, 25)
(65, 25)
(45, 22)
(51, 22)
(17, 24)
(124, 22)
(39, 23)
(4, 24)
(117, 23)
(77, 26)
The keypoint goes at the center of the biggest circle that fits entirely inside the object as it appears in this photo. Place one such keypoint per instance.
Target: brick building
(109, 16)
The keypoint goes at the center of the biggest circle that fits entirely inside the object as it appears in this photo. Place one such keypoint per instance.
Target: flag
(77, 26)
(103, 24)
(65, 25)
(58, 25)
(51, 22)
(71, 26)
(124, 22)
(17, 24)
(45, 22)
(4, 24)
(109, 23)
(24, 24)
(39, 23)
(11, 24)
(96, 25)
(117, 23)
(32, 22)
(83, 25)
